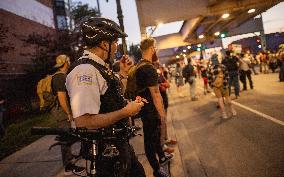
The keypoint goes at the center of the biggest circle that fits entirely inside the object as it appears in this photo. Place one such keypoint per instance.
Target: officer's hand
(133, 107)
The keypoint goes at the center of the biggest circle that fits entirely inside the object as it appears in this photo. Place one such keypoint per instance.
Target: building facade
(19, 19)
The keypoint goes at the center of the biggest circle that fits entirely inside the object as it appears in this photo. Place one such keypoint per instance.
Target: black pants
(152, 141)
(165, 99)
(243, 76)
(125, 165)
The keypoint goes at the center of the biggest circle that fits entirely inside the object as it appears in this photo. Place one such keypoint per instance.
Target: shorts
(205, 80)
(221, 92)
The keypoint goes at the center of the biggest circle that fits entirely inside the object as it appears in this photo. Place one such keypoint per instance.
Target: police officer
(96, 99)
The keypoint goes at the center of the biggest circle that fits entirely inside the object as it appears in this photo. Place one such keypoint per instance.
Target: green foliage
(3, 35)
(42, 59)
(79, 11)
(18, 135)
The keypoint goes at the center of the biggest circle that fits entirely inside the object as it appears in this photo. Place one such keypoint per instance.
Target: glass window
(61, 22)
(59, 3)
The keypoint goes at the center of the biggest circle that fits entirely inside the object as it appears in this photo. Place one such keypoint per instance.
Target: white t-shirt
(85, 85)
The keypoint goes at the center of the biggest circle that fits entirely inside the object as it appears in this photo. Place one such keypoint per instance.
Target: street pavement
(248, 145)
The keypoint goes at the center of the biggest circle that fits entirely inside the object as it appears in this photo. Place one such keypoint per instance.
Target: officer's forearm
(93, 121)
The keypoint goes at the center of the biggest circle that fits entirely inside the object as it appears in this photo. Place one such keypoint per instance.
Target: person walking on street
(253, 61)
(62, 113)
(97, 101)
(204, 75)
(153, 114)
(280, 55)
(245, 72)
(190, 75)
(264, 62)
(179, 79)
(232, 65)
(218, 77)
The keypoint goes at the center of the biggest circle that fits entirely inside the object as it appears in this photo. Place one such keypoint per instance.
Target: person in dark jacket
(189, 74)
(232, 64)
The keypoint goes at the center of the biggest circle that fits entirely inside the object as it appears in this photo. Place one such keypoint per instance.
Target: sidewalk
(35, 160)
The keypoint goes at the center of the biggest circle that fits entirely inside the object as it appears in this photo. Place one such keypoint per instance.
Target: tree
(4, 48)
(79, 11)
(134, 50)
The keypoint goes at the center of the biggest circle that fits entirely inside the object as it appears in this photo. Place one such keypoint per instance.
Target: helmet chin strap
(108, 60)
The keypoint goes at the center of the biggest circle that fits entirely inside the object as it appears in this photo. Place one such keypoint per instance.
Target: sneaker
(161, 173)
(171, 142)
(166, 159)
(224, 115)
(73, 169)
(234, 112)
(167, 149)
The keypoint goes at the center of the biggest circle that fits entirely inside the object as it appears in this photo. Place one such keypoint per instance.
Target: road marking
(254, 111)
(259, 113)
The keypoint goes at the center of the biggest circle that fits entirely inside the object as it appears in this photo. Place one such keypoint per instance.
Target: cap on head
(96, 29)
(61, 60)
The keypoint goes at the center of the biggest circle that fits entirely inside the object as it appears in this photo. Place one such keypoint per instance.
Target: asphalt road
(248, 145)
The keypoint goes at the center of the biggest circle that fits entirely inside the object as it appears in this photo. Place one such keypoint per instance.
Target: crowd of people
(94, 93)
(222, 72)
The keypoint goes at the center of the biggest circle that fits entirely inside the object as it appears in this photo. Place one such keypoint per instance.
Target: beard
(154, 57)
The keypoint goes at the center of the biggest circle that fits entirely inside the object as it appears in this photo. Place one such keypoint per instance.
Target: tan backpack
(218, 82)
(44, 91)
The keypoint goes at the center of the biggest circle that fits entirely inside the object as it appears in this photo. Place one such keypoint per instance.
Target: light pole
(120, 19)
(98, 4)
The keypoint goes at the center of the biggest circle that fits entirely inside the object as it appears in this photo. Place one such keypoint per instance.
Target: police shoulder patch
(85, 79)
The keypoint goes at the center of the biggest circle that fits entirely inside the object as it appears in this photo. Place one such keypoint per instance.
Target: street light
(251, 11)
(217, 33)
(177, 56)
(189, 47)
(201, 36)
(198, 45)
(226, 15)
(223, 35)
(184, 50)
(160, 25)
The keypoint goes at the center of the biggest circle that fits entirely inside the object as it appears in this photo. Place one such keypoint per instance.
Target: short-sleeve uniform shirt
(85, 85)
